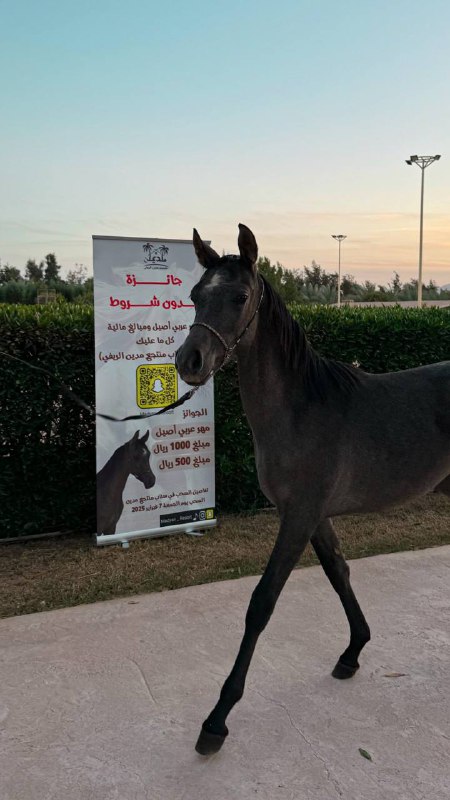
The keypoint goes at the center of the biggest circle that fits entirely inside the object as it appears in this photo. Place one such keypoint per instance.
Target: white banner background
(142, 315)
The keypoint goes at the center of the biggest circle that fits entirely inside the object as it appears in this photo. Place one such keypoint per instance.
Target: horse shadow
(131, 458)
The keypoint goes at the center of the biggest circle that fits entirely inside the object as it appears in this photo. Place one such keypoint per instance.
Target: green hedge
(47, 445)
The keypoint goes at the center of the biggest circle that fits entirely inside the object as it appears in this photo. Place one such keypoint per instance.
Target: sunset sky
(296, 117)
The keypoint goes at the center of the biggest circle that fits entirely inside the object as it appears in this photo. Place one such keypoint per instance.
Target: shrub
(47, 445)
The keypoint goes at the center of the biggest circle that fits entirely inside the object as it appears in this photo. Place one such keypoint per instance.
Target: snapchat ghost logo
(156, 385)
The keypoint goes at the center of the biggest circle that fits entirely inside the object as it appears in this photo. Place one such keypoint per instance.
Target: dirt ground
(54, 573)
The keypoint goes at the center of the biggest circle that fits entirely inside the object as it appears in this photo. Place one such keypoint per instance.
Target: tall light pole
(423, 162)
(339, 238)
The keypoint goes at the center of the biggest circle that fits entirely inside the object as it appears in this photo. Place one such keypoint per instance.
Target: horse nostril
(195, 362)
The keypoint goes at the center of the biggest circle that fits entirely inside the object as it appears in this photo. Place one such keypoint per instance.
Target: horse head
(139, 460)
(226, 300)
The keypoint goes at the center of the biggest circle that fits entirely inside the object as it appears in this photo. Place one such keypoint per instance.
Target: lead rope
(82, 403)
(187, 396)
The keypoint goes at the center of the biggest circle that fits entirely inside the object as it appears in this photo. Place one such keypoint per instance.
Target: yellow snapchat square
(156, 385)
(209, 513)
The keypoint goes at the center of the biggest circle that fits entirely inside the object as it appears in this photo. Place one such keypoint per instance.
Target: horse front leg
(326, 545)
(291, 541)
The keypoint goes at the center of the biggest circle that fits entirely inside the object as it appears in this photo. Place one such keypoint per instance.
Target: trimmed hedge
(47, 445)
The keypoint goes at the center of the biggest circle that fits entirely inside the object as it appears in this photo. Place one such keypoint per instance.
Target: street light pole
(423, 162)
(339, 238)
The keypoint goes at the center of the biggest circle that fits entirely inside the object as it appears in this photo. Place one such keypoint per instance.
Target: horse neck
(116, 470)
(266, 375)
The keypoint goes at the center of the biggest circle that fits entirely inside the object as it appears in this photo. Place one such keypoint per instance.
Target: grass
(54, 573)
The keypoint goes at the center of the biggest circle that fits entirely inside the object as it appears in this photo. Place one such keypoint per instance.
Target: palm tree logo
(155, 254)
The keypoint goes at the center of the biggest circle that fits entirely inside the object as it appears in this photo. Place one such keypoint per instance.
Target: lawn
(53, 573)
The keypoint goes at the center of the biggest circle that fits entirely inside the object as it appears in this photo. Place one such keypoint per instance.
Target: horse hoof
(343, 671)
(209, 743)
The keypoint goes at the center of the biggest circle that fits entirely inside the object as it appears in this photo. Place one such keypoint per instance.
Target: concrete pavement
(104, 702)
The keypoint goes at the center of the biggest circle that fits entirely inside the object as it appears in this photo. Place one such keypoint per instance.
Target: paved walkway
(104, 702)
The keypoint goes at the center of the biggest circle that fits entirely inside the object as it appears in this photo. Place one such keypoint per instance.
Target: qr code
(156, 385)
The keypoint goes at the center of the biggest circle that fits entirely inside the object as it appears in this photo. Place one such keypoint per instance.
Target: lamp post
(423, 162)
(339, 238)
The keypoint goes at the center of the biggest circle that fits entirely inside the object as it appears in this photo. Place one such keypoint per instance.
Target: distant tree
(23, 292)
(87, 297)
(409, 290)
(77, 275)
(287, 282)
(431, 291)
(369, 292)
(350, 288)
(323, 295)
(396, 285)
(51, 268)
(33, 271)
(314, 275)
(9, 273)
(383, 293)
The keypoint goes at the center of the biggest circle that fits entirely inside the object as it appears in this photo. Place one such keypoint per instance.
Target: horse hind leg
(326, 545)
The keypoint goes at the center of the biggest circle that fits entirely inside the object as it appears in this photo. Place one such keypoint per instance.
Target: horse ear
(145, 437)
(135, 437)
(206, 255)
(247, 246)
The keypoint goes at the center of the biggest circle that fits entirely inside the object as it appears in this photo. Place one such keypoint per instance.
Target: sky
(295, 117)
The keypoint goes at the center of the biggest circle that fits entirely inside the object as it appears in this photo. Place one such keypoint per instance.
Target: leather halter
(228, 349)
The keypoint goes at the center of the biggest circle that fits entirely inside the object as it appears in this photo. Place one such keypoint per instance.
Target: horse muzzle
(195, 362)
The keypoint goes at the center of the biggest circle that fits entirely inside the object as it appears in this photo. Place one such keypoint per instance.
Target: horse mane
(322, 376)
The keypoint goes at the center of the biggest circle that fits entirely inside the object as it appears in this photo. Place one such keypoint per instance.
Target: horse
(329, 439)
(131, 458)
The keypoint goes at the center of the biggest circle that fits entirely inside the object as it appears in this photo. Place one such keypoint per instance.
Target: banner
(155, 476)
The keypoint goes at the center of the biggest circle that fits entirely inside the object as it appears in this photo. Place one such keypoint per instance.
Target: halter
(228, 349)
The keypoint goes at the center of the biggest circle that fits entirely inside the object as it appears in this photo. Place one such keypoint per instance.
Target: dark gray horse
(329, 439)
(131, 458)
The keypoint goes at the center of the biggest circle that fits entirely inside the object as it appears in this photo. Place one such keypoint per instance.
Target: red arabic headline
(170, 281)
(154, 303)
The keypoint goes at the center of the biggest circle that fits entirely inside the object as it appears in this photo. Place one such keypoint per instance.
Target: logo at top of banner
(155, 253)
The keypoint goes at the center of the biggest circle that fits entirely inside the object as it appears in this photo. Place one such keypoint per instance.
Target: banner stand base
(192, 528)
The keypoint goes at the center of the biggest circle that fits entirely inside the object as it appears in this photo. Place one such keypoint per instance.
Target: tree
(51, 268)
(287, 282)
(349, 287)
(431, 291)
(396, 284)
(33, 271)
(316, 276)
(323, 295)
(77, 275)
(9, 273)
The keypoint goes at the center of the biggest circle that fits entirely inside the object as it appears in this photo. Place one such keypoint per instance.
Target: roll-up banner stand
(154, 476)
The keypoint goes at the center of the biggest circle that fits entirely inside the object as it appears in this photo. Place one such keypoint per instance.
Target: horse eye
(240, 299)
